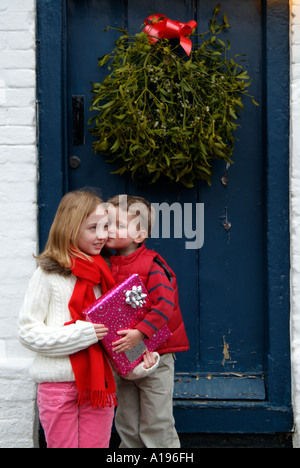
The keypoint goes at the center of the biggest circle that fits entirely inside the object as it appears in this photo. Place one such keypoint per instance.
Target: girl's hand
(100, 330)
(149, 359)
(130, 339)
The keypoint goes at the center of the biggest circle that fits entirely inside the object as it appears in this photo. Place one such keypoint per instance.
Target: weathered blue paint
(234, 291)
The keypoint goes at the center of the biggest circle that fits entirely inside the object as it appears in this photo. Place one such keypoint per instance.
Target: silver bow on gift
(135, 297)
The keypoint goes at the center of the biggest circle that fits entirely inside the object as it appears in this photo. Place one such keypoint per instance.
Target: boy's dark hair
(136, 206)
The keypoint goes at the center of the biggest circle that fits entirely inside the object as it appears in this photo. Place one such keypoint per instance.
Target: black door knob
(74, 162)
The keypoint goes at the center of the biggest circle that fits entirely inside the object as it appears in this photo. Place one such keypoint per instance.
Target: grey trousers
(144, 417)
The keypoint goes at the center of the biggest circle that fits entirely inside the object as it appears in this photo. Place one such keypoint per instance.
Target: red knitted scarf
(93, 374)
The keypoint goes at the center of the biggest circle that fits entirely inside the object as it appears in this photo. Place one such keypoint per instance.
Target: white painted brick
(295, 215)
(18, 205)
(16, 40)
(17, 193)
(18, 153)
(295, 14)
(295, 73)
(16, 21)
(17, 135)
(2, 92)
(19, 116)
(17, 404)
(295, 53)
(3, 116)
(11, 59)
(19, 78)
(17, 5)
(20, 97)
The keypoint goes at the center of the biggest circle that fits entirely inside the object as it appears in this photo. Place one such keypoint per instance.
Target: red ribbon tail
(186, 44)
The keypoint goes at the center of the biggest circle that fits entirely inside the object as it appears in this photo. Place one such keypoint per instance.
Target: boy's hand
(130, 339)
(149, 359)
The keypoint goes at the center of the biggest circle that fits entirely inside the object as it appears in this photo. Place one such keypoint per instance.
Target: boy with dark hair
(144, 416)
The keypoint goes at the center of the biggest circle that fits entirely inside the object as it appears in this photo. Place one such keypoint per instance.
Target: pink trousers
(67, 425)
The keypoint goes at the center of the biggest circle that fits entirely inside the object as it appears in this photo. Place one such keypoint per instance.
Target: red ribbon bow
(159, 27)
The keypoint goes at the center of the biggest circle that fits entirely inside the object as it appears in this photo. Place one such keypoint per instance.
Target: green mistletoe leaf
(163, 115)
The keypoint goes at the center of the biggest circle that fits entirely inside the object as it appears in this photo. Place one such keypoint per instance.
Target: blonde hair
(62, 242)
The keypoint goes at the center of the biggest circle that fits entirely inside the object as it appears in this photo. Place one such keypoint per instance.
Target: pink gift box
(122, 308)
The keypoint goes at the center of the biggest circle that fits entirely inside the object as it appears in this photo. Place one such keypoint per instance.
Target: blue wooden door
(234, 289)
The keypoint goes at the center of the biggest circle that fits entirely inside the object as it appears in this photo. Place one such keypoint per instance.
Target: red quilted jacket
(161, 284)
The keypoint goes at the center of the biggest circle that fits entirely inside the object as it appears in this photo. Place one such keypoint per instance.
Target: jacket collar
(49, 265)
(115, 259)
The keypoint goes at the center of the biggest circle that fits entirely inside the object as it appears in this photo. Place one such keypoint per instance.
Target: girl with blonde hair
(76, 388)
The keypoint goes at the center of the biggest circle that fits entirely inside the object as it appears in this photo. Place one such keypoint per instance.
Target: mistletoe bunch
(164, 115)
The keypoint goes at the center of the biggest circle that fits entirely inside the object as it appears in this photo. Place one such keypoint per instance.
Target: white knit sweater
(41, 326)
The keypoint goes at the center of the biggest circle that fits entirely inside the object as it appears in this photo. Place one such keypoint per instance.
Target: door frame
(275, 413)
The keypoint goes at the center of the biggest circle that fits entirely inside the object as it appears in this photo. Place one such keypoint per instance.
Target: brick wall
(18, 220)
(295, 212)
